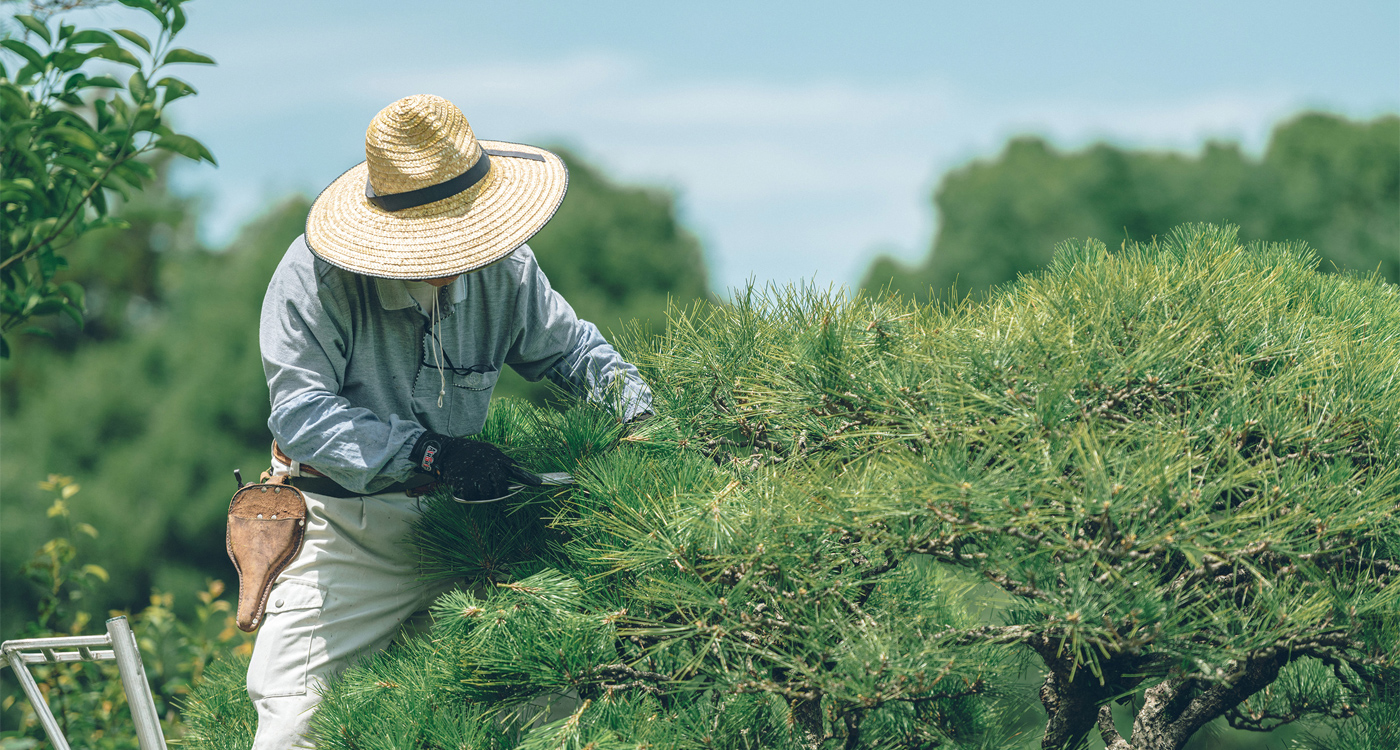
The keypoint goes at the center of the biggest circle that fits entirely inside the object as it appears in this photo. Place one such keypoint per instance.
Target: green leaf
(186, 146)
(75, 82)
(179, 20)
(182, 55)
(104, 115)
(137, 84)
(149, 7)
(91, 36)
(42, 228)
(36, 26)
(80, 166)
(76, 137)
(116, 54)
(134, 38)
(65, 30)
(19, 236)
(75, 313)
(113, 183)
(106, 82)
(99, 204)
(146, 119)
(97, 571)
(28, 73)
(140, 168)
(175, 88)
(67, 60)
(50, 263)
(74, 292)
(109, 222)
(23, 50)
(43, 306)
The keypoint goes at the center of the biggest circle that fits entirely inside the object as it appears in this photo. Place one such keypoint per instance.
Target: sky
(800, 139)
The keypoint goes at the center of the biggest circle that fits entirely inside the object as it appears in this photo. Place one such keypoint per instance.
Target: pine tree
(1167, 477)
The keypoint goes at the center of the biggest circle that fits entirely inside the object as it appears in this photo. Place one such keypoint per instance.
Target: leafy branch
(70, 136)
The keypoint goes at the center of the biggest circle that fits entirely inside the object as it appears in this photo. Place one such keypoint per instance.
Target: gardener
(383, 331)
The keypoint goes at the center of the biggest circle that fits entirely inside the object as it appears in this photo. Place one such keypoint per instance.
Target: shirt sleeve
(551, 341)
(305, 338)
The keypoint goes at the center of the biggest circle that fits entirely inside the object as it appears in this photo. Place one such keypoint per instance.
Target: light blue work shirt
(351, 364)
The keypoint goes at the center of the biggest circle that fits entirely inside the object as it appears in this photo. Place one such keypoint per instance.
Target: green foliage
(87, 698)
(68, 136)
(1376, 725)
(1324, 180)
(622, 653)
(218, 714)
(1166, 477)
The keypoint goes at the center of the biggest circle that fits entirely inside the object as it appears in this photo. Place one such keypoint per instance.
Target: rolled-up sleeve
(305, 339)
(551, 341)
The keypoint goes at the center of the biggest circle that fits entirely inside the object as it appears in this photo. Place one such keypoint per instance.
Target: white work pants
(345, 596)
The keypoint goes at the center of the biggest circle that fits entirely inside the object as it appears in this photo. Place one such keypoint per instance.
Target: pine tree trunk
(807, 721)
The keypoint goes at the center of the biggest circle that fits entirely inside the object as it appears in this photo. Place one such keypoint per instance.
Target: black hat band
(442, 190)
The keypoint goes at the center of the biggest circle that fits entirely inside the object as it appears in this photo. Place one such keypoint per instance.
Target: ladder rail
(121, 647)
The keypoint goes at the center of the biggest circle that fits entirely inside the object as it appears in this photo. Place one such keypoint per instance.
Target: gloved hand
(473, 469)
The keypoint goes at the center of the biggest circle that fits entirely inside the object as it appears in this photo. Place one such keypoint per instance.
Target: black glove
(473, 469)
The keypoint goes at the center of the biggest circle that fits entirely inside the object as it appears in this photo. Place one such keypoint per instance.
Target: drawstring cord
(437, 353)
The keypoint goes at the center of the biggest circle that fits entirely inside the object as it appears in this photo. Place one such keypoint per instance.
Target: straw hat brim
(459, 234)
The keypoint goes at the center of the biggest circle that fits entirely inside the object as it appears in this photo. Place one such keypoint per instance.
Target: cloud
(521, 84)
(783, 180)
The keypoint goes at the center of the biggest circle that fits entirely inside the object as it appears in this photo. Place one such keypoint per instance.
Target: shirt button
(474, 380)
(279, 603)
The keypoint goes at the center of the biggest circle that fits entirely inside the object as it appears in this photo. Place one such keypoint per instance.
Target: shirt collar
(393, 295)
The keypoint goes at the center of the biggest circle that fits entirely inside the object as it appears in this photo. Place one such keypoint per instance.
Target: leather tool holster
(266, 524)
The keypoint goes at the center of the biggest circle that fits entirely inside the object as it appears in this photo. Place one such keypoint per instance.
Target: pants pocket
(282, 651)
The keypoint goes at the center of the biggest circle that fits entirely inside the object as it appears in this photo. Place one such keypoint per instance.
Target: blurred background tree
(1328, 181)
(161, 395)
(617, 254)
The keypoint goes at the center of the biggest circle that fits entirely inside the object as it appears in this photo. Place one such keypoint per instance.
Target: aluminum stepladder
(118, 644)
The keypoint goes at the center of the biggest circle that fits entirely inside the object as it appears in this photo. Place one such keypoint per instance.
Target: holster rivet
(259, 515)
(274, 516)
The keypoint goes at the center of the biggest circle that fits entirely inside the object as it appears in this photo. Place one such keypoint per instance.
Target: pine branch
(638, 679)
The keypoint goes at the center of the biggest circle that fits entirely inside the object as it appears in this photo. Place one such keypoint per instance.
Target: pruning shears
(523, 478)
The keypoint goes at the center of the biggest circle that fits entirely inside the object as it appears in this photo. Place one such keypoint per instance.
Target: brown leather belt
(282, 457)
(315, 482)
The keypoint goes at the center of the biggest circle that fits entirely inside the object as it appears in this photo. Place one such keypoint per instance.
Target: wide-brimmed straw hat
(430, 200)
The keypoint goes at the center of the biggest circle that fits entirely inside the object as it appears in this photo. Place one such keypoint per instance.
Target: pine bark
(807, 721)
